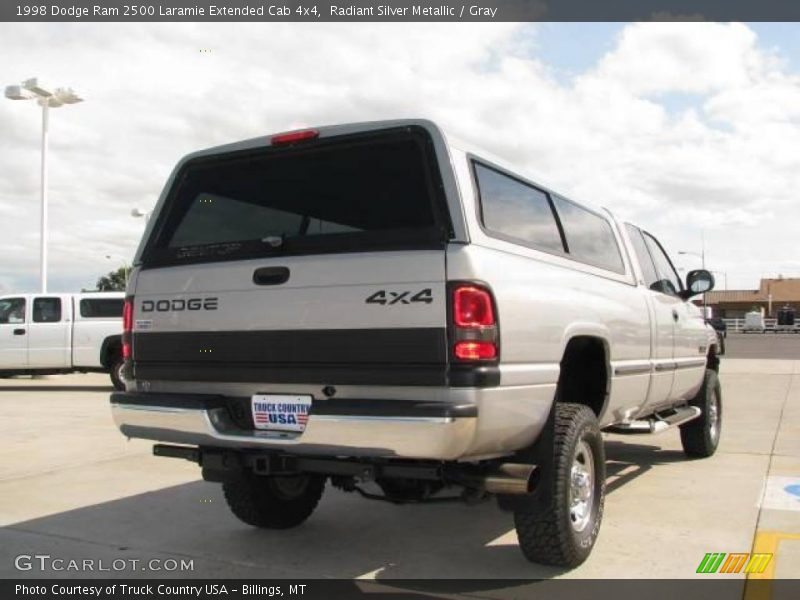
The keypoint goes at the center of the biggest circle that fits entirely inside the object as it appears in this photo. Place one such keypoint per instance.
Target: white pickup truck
(47, 334)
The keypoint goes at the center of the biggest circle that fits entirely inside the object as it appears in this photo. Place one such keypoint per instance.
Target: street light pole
(31, 89)
(43, 224)
(700, 255)
(725, 275)
(126, 269)
(703, 254)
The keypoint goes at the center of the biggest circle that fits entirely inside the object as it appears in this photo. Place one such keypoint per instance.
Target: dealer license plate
(278, 412)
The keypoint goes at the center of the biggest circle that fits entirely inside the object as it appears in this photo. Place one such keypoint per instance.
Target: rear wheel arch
(585, 371)
(110, 351)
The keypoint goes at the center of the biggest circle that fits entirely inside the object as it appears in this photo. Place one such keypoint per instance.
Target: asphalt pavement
(784, 346)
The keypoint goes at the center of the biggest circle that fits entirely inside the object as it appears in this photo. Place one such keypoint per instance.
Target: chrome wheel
(713, 418)
(581, 488)
(117, 375)
(121, 372)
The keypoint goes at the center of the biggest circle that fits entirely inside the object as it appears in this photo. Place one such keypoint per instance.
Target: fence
(770, 325)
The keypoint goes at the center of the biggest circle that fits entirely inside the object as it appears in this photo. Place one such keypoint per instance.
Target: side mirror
(698, 282)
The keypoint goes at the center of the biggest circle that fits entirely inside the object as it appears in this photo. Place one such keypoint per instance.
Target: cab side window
(668, 280)
(589, 236)
(46, 310)
(643, 256)
(12, 311)
(100, 308)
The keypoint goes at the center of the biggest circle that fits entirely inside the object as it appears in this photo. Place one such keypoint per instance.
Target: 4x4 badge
(386, 297)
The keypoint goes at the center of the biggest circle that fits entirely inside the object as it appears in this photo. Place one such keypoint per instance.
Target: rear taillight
(293, 137)
(127, 327)
(475, 335)
(472, 307)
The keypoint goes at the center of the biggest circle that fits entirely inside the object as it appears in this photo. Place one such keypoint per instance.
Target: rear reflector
(475, 350)
(472, 307)
(293, 136)
(127, 328)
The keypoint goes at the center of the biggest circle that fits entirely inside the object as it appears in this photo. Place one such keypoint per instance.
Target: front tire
(565, 534)
(700, 437)
(273, 502)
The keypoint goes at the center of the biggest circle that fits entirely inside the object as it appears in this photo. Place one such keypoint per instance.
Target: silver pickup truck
(384, 308)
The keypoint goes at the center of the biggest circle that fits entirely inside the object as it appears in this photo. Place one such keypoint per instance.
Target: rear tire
(700, 437)
(273, 502)
(116, 374)
(564, 535)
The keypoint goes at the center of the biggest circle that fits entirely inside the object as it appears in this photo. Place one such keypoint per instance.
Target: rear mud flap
(541, 454)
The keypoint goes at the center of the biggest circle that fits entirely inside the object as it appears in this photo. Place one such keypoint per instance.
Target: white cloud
(684, 57)
(728, 164)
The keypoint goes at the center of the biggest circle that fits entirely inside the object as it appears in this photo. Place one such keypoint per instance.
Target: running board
(658, 422)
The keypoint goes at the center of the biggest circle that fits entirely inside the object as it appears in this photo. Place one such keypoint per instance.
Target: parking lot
(72, 487)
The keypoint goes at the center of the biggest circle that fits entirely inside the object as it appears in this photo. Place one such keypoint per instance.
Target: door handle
(674, 315)
(271, 275)
(19, 332)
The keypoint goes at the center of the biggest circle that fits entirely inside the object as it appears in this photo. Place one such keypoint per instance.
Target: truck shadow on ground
(626, 461)
(347, 537)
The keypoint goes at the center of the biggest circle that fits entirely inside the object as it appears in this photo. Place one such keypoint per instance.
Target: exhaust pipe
(510, 478)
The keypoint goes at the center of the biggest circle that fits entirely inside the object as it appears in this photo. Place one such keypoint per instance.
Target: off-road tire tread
(541, 538)
(252, 501)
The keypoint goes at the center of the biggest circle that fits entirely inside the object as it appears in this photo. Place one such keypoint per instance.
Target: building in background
(771, 296)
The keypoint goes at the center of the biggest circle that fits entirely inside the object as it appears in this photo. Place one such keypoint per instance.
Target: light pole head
(31, 89)
(34, 86)
(67, 96)
(17, 92)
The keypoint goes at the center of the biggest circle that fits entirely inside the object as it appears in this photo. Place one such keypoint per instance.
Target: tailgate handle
(270, 275)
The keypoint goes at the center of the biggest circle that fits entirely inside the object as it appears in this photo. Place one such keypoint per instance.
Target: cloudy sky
(690, 129)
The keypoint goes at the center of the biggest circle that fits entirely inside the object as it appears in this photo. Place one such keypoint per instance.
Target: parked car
(402, 315)
(48, 334)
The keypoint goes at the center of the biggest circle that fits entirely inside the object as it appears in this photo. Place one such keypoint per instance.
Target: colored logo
(269, 413)
(720, 562)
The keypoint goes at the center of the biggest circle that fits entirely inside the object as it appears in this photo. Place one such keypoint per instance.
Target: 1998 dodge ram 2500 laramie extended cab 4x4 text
(379, 306)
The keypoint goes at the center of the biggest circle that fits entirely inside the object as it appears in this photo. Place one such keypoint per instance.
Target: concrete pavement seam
(772, 459)
(70, 466)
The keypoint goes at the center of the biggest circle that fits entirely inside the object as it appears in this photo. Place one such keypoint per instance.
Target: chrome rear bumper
(401, 428)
